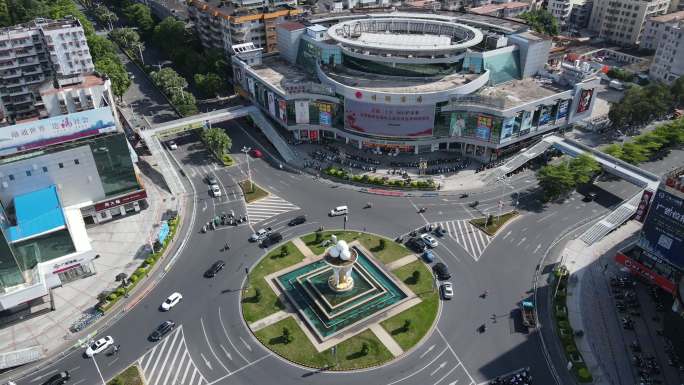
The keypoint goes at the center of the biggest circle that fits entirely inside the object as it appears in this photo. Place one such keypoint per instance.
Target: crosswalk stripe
(192, 379)
(180, 367)
(177, 361)
(473, 240)
(267, 208)
(156, 362)
(149, 358)
(166, 360)
(173, 362)
(185, 374)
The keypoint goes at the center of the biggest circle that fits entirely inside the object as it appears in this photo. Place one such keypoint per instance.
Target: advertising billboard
(563, 108)
(507, 130)
(585, 100)
(389, 120)
(282, 110)
(544, 115)
(637, 268)
(484, 127)
(250, 85)
(526, 122)
(457, 124)
(271, 104)
(644, 204)
(58, 129)
(302, 112)
(663, 231)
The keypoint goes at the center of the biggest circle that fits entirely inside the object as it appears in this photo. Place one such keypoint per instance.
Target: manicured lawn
(130, 376)
(252, 193)
(301, 351)
(391, 252)
(494, 223)
(422, 315)
(269, 302)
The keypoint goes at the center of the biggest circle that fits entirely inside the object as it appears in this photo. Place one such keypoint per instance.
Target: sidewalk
(121, 248)
(601, 346)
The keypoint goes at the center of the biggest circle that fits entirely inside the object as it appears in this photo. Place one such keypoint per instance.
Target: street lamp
(139, 45)
(181, 92)
(246, 150)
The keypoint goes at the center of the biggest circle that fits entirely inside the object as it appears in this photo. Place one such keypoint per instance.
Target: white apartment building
(622, 21)
(657, 28)
(668, 63)
(571, 13)
(36, 52)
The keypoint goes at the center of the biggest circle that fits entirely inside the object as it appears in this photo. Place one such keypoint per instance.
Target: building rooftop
(518, 92)
(291, 26)
(397, 84)
(88, 81)
(37, 212)
(489, 8)
(279, 73)
(674, 16)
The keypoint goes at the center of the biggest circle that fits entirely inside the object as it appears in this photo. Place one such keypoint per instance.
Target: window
(76, 162)
(28, 172)
(61, 165)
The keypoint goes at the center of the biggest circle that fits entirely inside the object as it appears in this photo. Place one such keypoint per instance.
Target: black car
(297, 221)
(416, 244)
(211, 180)
(215, 268)
(162, 330)
(441, 271)
(271, 239)
(58, 379)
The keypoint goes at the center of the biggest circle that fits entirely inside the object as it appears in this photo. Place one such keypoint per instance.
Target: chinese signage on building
(663, 231)
(389, 120)
(45, 132)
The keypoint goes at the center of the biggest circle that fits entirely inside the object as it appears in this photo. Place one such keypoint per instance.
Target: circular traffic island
(340, 300)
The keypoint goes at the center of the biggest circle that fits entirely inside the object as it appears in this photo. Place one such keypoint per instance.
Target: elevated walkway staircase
(612, 221)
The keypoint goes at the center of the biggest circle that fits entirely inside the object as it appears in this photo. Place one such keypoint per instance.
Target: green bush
(150, 261)
(583, 375)
(570, 348)
(133, 278)
(120, 291)
(563, 324)
(112, 297)
(140, 271)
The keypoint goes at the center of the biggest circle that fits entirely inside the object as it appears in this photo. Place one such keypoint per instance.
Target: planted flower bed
(380, 181)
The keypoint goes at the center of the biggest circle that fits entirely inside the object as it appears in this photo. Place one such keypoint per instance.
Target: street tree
(125, 37)
(677, 90)
(140, 16)
(555, 180)
(169, 35)
(583, 168)
(210, 84)
(217, 140)
(116, 72)
(541, 21)
(101, 47)
(167, 79)
(104, 16)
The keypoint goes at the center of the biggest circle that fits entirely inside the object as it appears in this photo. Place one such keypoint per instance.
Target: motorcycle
(474, 204)
(464, 195)
(422, 210)
(368, 205)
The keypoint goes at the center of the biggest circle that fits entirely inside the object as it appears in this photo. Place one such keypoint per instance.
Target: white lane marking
(230, 357)
(210, 348)
(445, 376)
(507, 234)
(187, 369)
(194, 373)
(98, 371)
(149, 355)
(79, 381)
(536, 249)
(246, 344)
(161, 351)
(443, 364)
(472, 380)
(241, 369)
(228, 337)
(166, 359)
(206, 362)
(180, 366)
(427, 351)
(110, 363)
(546, 217)
(521, 241)
(173, 365)
(421, 369)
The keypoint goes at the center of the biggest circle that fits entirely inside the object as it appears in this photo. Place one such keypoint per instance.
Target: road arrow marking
(226, 351)
(521, 241)
(206, 362)
(443, 364)
(536, 248)
(246, 345)
(427, 351)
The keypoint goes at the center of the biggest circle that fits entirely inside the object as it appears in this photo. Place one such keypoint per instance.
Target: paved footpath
(121, 249)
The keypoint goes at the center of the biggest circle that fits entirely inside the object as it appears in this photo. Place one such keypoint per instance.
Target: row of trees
(649, 145)
(173, 85)
(541, 21)
(641, 105)
(102, 51)
(559, 179)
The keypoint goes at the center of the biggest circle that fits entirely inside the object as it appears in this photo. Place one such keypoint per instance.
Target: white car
(447, 290)
(215, 190)
(171, 301)
(173, 145)
(99, 346)
(260, 234)
(429, 240)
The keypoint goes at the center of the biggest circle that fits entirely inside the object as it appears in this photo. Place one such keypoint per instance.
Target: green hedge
(380, 181)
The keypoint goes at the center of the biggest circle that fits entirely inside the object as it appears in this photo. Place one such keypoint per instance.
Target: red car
(255, 153)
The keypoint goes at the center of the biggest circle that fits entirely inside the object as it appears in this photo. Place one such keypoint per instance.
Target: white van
(339, 210)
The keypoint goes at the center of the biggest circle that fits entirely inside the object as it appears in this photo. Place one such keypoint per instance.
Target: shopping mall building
(658, 255)
(414, 82)
(57, 176)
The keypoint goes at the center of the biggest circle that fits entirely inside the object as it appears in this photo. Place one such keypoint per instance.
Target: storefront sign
(389, 120)
(66, 265)
(563, 108)
(544, 115)
(638, 268)
(507, 130)
(58, 129)
(644, 204)
(663, 231)
(136, 196)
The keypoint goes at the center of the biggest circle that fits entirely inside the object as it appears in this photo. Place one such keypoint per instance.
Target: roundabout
(343, 308)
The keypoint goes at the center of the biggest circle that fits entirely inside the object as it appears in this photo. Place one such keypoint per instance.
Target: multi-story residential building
(657, 28)
(221, 24)
(622, 21)
(36, 52)
(668, 62)
(571, 13)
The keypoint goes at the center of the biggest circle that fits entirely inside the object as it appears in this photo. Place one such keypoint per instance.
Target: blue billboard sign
(663, 232)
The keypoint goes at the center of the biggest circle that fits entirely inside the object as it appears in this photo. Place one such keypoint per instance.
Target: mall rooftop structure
(59, 174)
(414, 82)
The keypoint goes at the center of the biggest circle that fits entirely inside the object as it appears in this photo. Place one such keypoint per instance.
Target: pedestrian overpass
(645, 180)
(154, 136)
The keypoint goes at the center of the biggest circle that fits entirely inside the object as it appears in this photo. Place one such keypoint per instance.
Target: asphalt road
(213, 346)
